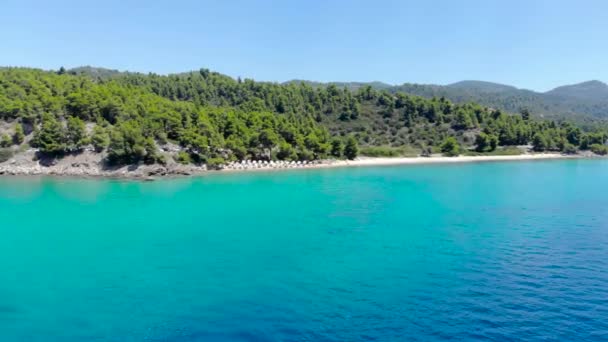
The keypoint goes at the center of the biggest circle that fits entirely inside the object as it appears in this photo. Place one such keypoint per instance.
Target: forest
(211, 119)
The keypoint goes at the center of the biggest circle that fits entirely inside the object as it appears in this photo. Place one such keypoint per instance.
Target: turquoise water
(495, 251)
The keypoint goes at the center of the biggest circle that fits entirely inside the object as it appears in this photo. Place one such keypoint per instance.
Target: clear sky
(530, 44)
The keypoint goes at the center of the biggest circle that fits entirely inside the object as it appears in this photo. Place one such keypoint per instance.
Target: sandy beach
(367, 161)
(386, 161)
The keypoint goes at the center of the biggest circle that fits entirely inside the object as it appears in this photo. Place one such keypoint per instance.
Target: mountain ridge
(92, 71)
(584, 90)
(584, 100)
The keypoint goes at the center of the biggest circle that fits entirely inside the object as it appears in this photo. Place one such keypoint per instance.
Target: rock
(157, 171)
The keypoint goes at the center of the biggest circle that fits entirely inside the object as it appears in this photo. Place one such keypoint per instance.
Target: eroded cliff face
(88, 163)
(91, 164)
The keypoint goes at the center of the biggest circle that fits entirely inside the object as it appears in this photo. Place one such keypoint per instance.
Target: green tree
(237, 147)
(450, 147)
(268, 139)
(569, 149)
(525, 113)
(287, 152)
(351, 148)
(462, 120)
(75, 134)
(215, 163)
(127, 144)
(540, 142)
(574, 135)
(152, 155)
(183, 157)
(599, 149)
(6, 141)
(337, 147)
(50, 139)
(18, 136)
(100, 138)
(315, 145)
(486, 142)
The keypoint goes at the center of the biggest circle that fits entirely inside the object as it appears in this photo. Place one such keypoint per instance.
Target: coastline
(93, 169)
(380, 161)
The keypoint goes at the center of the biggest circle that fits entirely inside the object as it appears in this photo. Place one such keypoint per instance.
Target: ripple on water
(473, 252)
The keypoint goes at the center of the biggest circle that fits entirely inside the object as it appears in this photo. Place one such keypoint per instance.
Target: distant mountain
(482, 86)
(590, 90)
(94, 72)
(581, 102)
(348, 85)
(499, 96)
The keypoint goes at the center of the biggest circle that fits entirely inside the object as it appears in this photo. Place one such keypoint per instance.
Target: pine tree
(75, 134)
(100, 138)
(50, 139)
(18, 136)
(337, 148)
(450, 147)
(351, 149)
(5, 141)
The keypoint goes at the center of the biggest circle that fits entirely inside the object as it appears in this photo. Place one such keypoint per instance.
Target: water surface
(494, 251)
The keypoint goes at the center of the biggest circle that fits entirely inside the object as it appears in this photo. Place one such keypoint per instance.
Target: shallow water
(495, 251)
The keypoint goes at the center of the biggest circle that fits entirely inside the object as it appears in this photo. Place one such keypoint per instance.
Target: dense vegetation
(213, 118)
(585, 103)
(129, 122)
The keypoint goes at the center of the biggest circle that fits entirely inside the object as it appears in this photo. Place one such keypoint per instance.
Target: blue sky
(530, 44)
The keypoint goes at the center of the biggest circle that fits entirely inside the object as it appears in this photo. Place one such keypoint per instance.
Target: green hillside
(585, 103)
(214, 118)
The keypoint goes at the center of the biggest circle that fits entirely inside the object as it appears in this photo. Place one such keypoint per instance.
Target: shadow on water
(7, 309)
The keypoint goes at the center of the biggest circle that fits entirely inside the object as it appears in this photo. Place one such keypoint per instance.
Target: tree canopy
(212, 117)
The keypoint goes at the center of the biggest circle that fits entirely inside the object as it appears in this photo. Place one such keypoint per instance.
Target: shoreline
(413, 161)
(154, 172)
(379, 161)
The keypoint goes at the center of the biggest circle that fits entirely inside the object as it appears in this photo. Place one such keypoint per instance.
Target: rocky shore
(90, 164)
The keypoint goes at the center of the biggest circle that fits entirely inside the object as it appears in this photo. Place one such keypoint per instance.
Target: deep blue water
(493, 251)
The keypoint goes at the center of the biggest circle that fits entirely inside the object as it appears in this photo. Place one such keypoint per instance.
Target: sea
(493, 251)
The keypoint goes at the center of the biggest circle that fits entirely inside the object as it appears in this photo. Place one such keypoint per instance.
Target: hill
(353, 86)
(584, 102)
(204, 117)
(98, 73)
(482, 86)
(588, 91)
